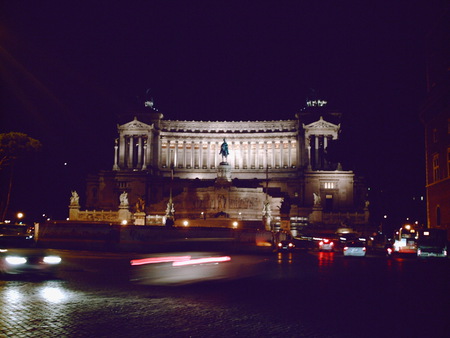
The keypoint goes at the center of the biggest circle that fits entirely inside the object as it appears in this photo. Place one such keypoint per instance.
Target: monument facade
(234, 170)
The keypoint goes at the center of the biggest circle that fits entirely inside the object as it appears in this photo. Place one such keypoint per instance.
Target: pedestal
(139, 218)
(224, 172)
(74, 211)
(316, 215)
(124, 214)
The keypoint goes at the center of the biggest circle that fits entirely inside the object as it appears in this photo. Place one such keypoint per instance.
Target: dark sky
(69, 68)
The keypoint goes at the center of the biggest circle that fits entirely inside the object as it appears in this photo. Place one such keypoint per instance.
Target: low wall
(114, 237)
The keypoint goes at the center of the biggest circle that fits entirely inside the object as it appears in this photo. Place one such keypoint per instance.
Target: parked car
(355, 248)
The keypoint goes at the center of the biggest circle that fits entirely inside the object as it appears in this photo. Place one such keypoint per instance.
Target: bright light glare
(15, 260)
(52, 294)
(185, 223)
(52, 260)
(153, 260)
(202, 261)
(426, 233)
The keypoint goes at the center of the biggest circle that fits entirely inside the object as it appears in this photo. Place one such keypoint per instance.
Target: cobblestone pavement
(51, 309)
(308, 295)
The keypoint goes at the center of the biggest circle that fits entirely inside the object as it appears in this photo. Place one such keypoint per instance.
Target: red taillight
(331, 243)
(326, 240)
(320, 243)
(364, 249)
(279, 244)
(346, 248)
(389, 250)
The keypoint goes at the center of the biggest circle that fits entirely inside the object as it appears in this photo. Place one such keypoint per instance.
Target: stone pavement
(53, 309)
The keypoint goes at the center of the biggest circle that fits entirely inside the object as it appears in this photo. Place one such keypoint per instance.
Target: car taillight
(331, 243)
(279, 244)
(326, 240)
(389, 250)
(291, 245)
(320, 243)
(364, 249)
(346, 248)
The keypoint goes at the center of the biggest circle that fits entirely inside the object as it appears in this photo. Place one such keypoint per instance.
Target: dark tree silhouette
(13, 146)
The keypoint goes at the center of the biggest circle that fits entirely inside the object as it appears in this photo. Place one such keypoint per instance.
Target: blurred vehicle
(431, 243)
(303, 243)
(355, 248)
(193, 267)
(286, 245)
(19, 256)
(31, 261)
(405, 241)
(326, 245)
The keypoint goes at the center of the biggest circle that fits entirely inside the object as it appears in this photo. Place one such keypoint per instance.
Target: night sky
(68, 69)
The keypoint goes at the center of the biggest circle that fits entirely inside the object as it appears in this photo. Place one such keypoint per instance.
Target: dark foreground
(287, 295)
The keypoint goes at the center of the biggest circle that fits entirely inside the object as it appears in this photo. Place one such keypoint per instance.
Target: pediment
(135, 125)
(322, 124)
(322, 127)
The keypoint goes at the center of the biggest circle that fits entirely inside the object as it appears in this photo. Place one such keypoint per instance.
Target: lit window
(329, 185)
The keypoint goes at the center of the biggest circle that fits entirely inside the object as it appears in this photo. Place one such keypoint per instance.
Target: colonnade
(191, 154)
(317, 145)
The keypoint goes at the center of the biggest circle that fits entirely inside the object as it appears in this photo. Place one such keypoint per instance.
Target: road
(300, 294)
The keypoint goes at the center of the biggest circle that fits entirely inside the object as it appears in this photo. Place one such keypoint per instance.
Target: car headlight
(15, 260)
(52, 259)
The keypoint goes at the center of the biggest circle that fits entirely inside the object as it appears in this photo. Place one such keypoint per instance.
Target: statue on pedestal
(124, 199)
(224, 151)
(74, 199)
(316, 199)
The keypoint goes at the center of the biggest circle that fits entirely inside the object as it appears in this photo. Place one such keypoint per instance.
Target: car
(20, 256)
(326, 245)
(355, 248)
(286, 245)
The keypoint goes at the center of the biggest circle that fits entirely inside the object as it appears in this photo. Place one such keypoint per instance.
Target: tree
(13, 146)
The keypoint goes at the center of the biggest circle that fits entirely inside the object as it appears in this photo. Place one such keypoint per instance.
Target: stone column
(116, 149)
(281, 154)
(249, 157)
(308, 145)
(257, 155)
(149, 150)
(130, 152)
(184, 154)
(139, 152)
(200, 165)
(144, 160)
(208, 155)
(289, 154)
(122, 151)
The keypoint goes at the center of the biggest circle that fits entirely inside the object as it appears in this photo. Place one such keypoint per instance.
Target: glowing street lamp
(19, 216)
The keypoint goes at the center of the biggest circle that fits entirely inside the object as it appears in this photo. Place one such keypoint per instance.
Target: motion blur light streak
(153, 260)
(202, 261)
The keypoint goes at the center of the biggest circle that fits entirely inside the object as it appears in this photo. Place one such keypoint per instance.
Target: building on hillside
(435, 115)
(276, 173)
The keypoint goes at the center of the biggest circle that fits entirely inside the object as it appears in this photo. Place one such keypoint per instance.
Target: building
(275, 173)
(435, 115)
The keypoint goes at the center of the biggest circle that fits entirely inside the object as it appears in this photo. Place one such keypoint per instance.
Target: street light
(19, 216)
